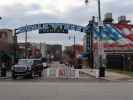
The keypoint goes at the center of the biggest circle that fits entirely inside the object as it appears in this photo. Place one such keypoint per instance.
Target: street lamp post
(15, 46)
(99, 10)
(100, 43)
(74, 44)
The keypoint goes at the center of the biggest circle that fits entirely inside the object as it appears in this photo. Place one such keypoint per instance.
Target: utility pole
(100, 43)
(26, 43)
(99, 10)
(74, 44)
(74, 40)
(91, 42)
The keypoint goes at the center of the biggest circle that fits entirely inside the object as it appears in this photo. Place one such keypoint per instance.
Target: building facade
(117, 41)
(6, 46)
(6, 39)
(54, 52)
(40, 46)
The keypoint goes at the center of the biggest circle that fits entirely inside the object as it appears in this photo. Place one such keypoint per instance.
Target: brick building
(6, 45)
(6, 40)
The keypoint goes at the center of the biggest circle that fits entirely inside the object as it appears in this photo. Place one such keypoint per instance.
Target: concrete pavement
(111, 76)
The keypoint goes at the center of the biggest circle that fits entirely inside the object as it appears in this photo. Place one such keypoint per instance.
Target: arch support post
(15, 47)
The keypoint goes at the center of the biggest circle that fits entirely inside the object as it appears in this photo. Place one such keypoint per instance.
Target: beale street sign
(51, 28)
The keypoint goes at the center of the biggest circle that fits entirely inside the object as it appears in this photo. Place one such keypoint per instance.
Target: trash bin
(79, 66)
(3, 69)
(3, 72)
(102, 72)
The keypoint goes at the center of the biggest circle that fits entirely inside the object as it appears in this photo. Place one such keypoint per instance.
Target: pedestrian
(78, 63)
(3, 70)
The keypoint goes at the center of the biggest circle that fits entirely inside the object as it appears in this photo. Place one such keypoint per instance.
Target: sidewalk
(8, 75)
(111, 76)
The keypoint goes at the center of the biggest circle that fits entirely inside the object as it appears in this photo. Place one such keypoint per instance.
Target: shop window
(0, 35)
(5, 35)
(132, 30)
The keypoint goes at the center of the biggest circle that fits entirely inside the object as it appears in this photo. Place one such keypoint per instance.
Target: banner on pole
(63, 72)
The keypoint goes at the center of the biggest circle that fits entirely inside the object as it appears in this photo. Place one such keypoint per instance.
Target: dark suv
(27, 67)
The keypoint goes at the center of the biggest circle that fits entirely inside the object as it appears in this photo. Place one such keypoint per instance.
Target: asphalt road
(65, 91)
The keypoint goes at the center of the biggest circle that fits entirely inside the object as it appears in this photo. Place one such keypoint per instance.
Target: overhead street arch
(44, 28)
(51, 27)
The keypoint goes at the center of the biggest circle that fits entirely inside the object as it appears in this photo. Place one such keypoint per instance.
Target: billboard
(54, 29)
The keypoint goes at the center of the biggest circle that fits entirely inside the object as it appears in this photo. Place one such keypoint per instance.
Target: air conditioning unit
(108, 16)
(122, 18)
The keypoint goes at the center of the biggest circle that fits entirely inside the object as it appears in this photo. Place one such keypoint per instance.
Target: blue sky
(17, 13)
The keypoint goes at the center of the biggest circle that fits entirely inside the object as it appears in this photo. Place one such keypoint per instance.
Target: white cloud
(47, 5)
(17, 13)
(12, 2)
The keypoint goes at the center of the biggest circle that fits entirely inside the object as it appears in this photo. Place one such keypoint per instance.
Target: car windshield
(37, 62)
(25, 62)
(44, 59)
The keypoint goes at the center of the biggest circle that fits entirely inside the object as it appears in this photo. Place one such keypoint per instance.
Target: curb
(105, 78)
(95, 76)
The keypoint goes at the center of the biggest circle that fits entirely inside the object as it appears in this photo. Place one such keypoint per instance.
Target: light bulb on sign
(132, 30)
(86, 1)
(126, 31)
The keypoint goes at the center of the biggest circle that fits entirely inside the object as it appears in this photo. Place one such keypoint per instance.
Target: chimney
(108, 18)
(122, 19)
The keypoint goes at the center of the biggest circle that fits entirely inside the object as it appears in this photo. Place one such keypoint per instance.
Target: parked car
(37, 68)
(61, 62)
(26, 68)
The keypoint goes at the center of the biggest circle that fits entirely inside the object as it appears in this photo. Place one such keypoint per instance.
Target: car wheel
(14, 76)
(40, 74)
(30, 76)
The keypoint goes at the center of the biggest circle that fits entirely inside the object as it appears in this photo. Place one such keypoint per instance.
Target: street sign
(88, 42)
(51, 28)
(100, 23)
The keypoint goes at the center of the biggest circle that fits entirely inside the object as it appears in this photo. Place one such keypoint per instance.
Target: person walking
(78, 63)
